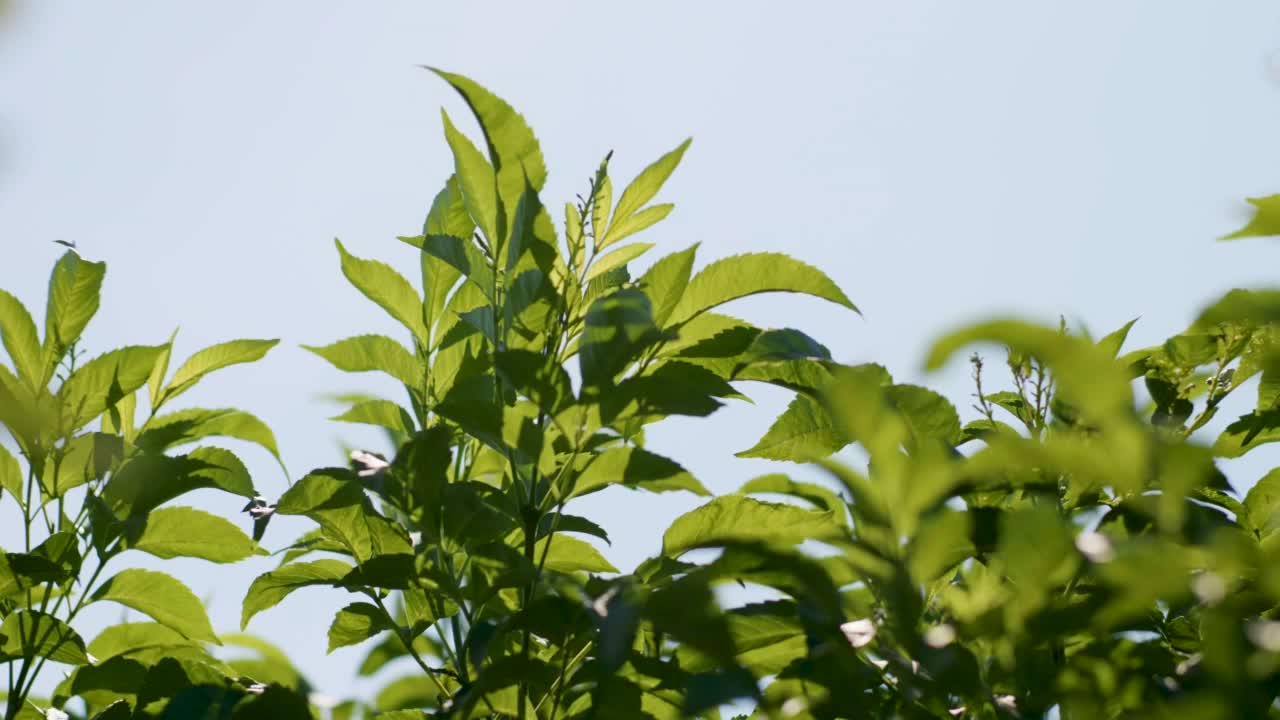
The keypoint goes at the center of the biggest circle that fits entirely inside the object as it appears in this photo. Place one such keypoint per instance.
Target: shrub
(1074, 549)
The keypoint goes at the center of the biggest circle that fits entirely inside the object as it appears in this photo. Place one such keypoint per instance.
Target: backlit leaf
(268, 589)
(387, 289)
(74, 289)
(214, 357)
(18, 331)
(162, 597)
(736, 518)
(742, 275)
(373, 353)
(186, 532)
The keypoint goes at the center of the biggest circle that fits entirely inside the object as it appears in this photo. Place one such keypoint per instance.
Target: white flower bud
(1095, 546)
(859, 633)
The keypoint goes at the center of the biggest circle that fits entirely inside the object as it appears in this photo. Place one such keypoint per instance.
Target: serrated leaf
(214, 357)
(147, 481)
(929, 416)
(18, 331)
(268, 589)
(128, 638)
(601, 204)
(187, 426)
(617, 258)
(735, 518)
(803, 432)
(28, 634)
(163, 598)
(1247, 433)
(373, 353)
(816, 495)
(644, 187)
(642, 220)
(618, 327)
(335, 499)
(354, 624)
(567, 554)
(186, 532)
(11, 475)
(739, 276)
(635, 468)
(387, 289)
(665, 282)
(460, 254)
(477, 180)
(1265, 221)
(104, 381)
(1262, 503)
(75, 286)
(382, 413)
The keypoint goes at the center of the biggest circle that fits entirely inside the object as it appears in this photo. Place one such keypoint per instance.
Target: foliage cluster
(1074, 549)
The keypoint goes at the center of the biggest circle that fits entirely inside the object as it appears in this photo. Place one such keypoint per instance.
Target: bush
(1073, 549)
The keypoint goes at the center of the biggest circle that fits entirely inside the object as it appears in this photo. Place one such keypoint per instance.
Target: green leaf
(146, 482)
(601, 204)
(735, 518)
(569, 554)
(268, 589)
(816, 495)
(75, 287)
(370, 353)
(11, 475)
(460, 254)
(513, 148)
(665, 282)
(930, 417)
(447, 218)
(85, 457)
(1265, 221)
(186, 532)
(477, 179)
(155, 382)
(642, 220)
(1262, 503)
(104, 381)
(382, 413)
(1247, 433)
(354, 624)
(742, 275)
(1112, 343)
(388, 290)
(635, 468)
(336, 500)
(617, 258)
(187, 426)
(133, 637)
(29, 634)
(214, 357)
(800, 434)
(18, 331)
(618, 327)
(163, 598)
(642, 189)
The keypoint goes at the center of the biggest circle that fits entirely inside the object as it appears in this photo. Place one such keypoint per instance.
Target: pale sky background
(942, 161)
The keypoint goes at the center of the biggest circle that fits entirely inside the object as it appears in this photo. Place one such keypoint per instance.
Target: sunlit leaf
(162, 597)
(74, 289)
(387, 289)
(742, 275)
(28, 634)
(373, 353)
(212, 358)
(186, 532)
(18, 331)
(268, 589)
(736, 518)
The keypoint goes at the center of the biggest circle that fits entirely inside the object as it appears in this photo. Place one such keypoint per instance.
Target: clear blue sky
(942, 161)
